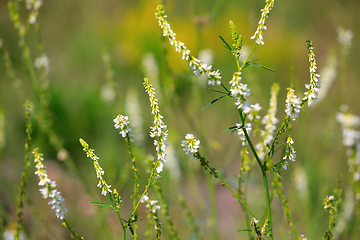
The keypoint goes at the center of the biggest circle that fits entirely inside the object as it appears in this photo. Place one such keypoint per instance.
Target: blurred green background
(74, 35)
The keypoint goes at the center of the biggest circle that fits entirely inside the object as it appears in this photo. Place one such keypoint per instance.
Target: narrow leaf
(215, 100)
(227, 45)
(218, 91)
(259, 65)
(243, 230)
(229, 129)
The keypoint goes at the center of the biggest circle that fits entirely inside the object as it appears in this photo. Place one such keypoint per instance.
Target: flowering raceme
(198, 66)
(314, 85)
(293, 104)
(290, 152)
(261, 27)
(99, 171)
(49, 191)
(159, 129)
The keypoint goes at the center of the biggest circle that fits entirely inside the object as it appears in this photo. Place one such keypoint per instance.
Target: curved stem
(213, 171)
(263, 171)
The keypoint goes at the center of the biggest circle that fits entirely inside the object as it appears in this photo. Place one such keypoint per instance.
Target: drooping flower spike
(197, 65)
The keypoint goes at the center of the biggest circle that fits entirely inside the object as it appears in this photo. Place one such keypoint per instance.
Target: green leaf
(227, 45)
(101, 205)
(244, 230)
(218, 91)
(230, 128)
(259, 65)
(215, 100)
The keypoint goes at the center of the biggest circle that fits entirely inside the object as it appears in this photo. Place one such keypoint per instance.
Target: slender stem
(136, 176)
(263, 171)
(213, 171)
(73, 234)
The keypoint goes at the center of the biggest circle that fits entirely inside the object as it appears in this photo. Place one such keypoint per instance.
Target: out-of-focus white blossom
(344, 37)
(172, 164)
(328, 75)
(270, 119)
(42, 62)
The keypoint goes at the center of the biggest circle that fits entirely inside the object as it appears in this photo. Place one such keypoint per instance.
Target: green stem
(263, 171)
(73, 234)
(136, 176)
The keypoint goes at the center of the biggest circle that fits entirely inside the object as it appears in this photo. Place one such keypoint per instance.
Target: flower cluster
(48, 190)
(42, 62)
(314, 85)
(198, 66)
(150, 204)
(329, 204)
(159, 129)
(190, 144)
(99, 171)
(261, 27)
(121, 122)
(292, 105)
(240, 92)
(290, 152)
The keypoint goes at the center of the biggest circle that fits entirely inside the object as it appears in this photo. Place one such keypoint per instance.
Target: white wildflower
(99, 171)
(240, 92)
(261, 27)
(198, 66)
(293, 104)
(122, 123)
(290, 152)
(159, 129)
(49, 191)
(150, 204)
(133, 109)
(314, 85)
(190, 144)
